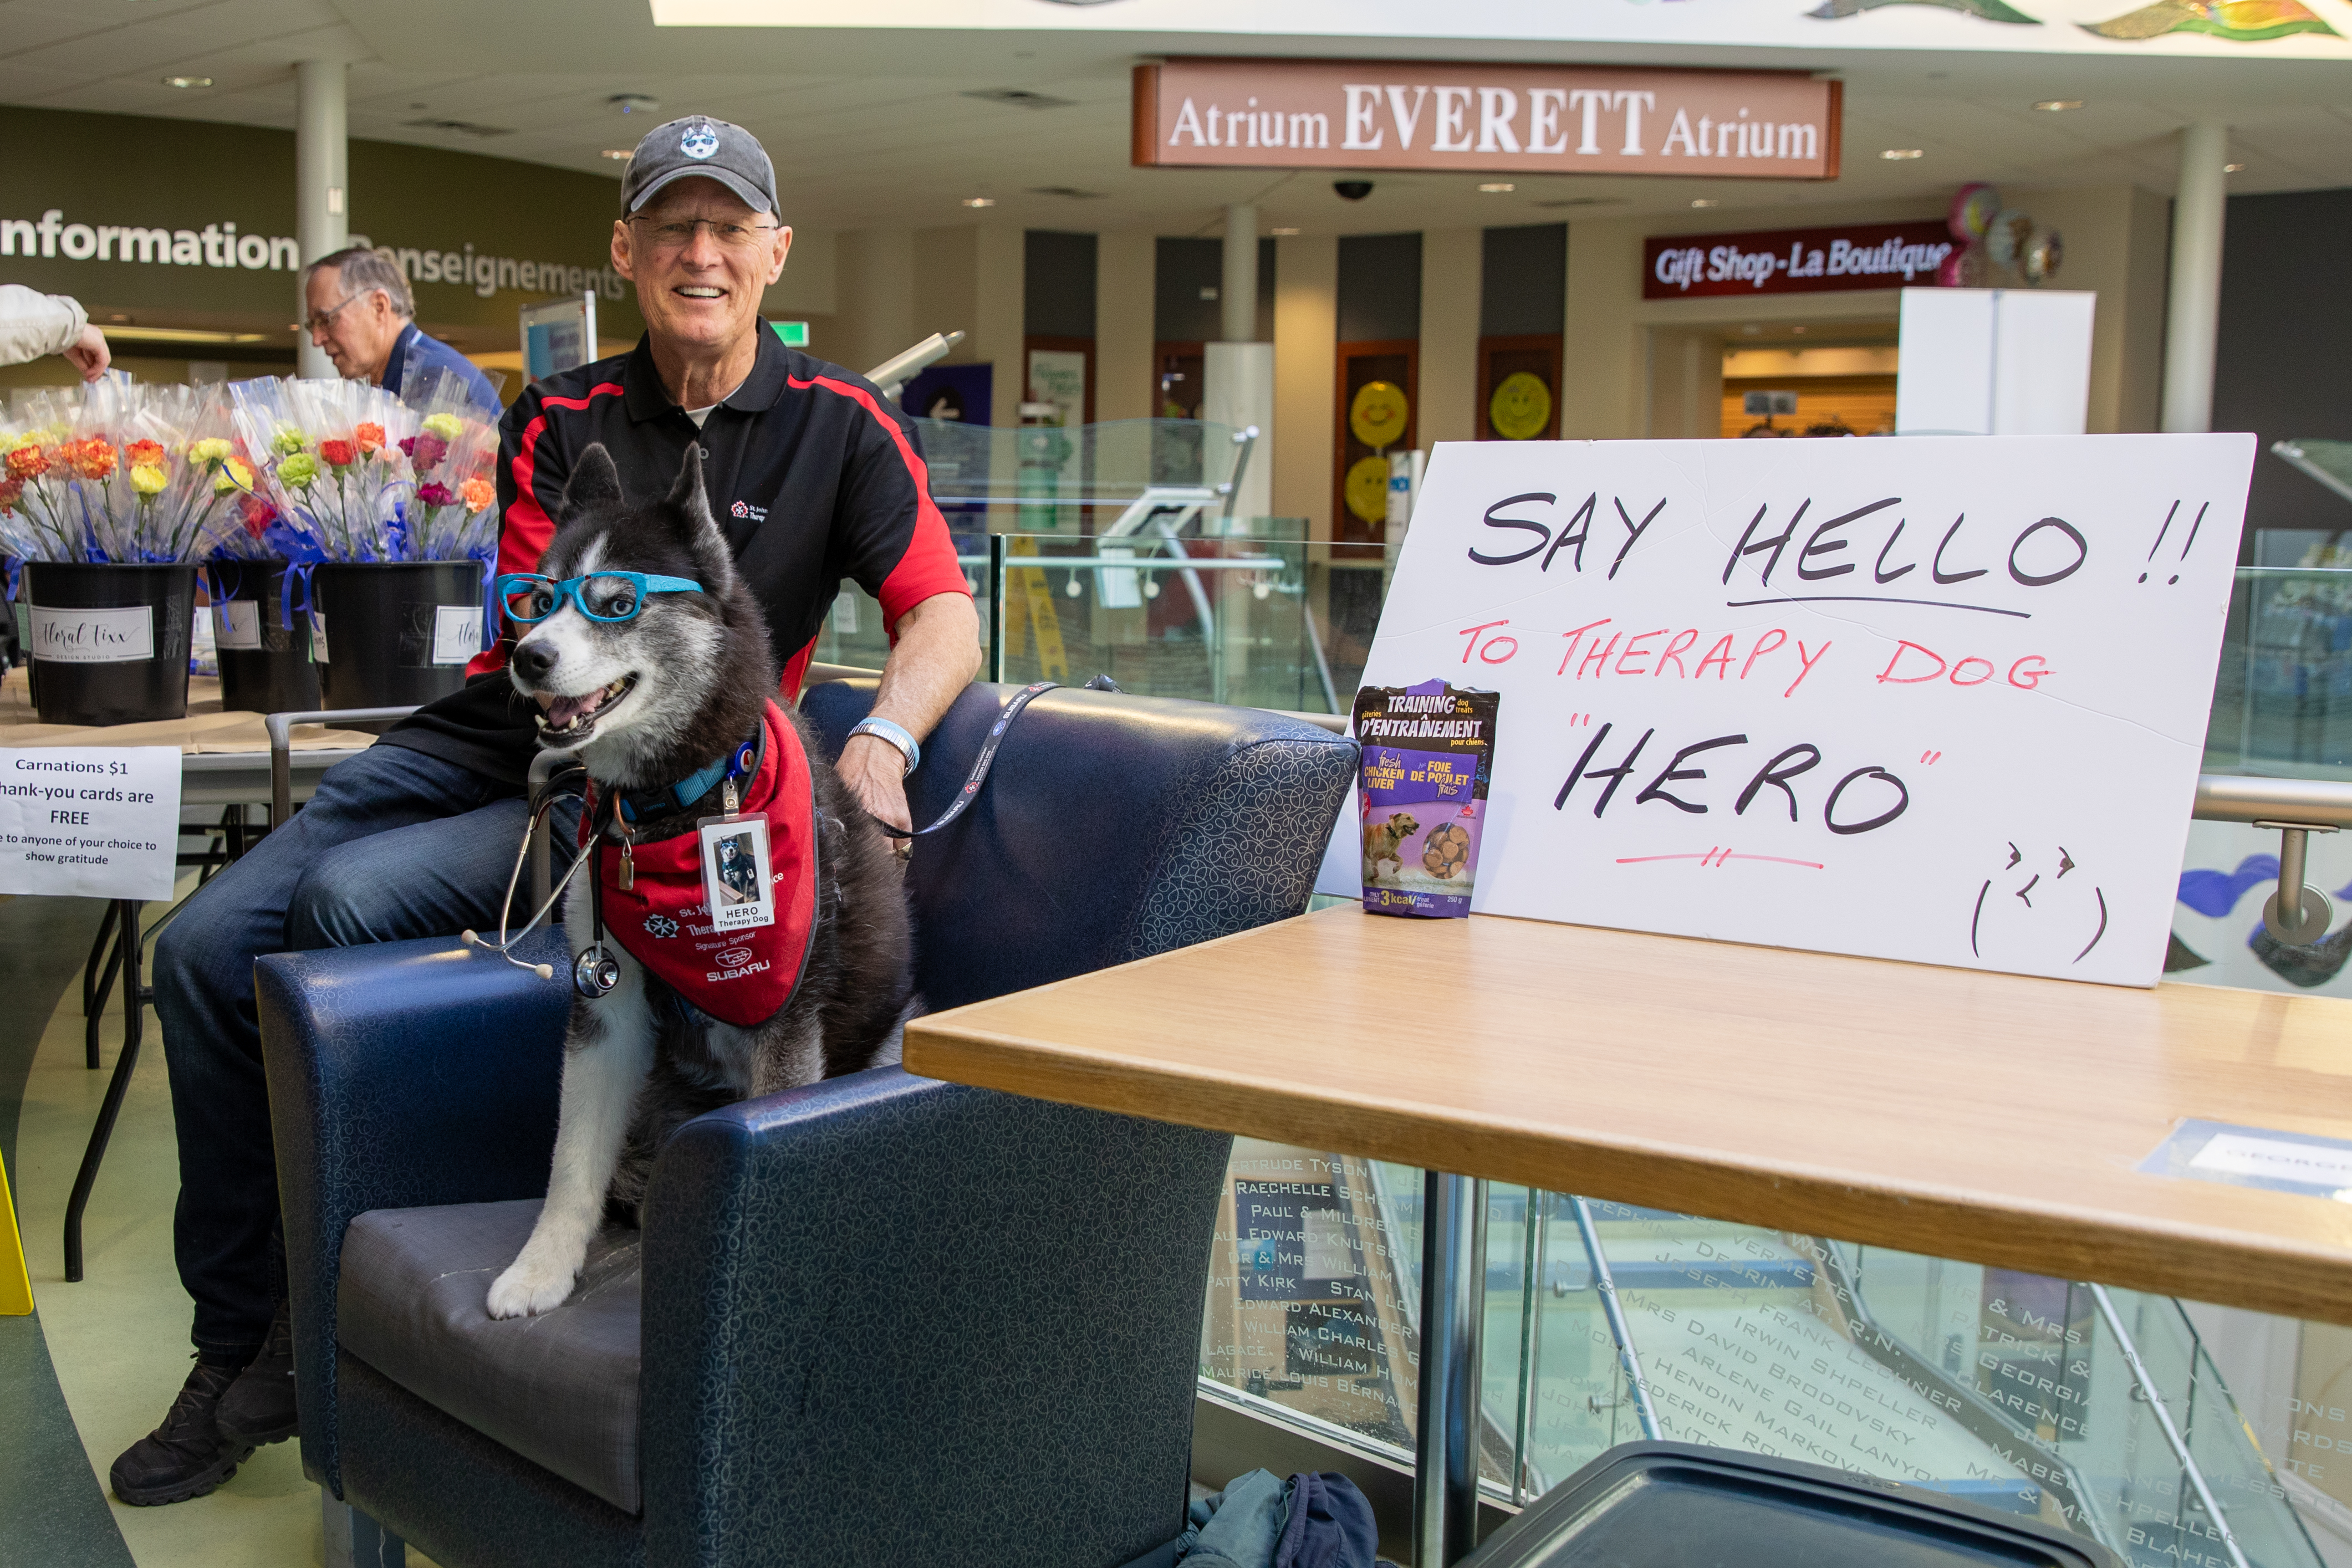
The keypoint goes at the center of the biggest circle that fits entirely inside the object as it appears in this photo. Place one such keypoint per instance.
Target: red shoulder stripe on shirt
(927, 567)
(526, 529)
(796, 671)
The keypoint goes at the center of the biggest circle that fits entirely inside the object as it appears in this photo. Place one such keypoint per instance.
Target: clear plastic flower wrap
(114, 472)
(451, 458)
(41, 514)
(329, 459)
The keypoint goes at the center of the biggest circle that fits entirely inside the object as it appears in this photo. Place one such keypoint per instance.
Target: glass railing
(1251, 615)
(1049, 472)
(2095, 1410)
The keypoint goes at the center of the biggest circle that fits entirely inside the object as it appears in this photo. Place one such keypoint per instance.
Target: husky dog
(644, 703)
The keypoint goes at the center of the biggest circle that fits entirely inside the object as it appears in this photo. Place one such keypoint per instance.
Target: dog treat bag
(1428, 752)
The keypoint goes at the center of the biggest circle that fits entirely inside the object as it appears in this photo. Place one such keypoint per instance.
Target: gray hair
(361, 270)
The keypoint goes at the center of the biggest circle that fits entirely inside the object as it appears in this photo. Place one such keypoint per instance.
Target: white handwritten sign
(90, 636)
(89, 820)
(1934, 699)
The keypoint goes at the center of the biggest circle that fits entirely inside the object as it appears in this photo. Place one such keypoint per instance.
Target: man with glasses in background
(812, 476)
(359, 311)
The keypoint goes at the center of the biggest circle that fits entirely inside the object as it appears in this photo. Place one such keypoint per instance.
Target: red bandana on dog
(737, 976)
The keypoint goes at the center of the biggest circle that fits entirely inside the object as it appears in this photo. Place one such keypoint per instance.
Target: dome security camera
(1352, 190)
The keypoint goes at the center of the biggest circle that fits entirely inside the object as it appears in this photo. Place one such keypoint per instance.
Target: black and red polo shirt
(812, 474)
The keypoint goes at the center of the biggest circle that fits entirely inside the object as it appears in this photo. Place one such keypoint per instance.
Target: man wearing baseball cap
(812, 476)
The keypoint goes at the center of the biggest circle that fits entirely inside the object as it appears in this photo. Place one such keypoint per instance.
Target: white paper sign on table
(92, 822)
(1933, 699)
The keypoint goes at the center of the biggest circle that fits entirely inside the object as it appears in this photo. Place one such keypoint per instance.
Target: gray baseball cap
(700, 147)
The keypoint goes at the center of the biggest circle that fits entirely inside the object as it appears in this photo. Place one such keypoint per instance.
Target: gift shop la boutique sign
(1505, 120)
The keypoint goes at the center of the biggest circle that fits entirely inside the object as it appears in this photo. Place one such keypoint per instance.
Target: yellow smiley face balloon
(1521, 409)
(1377, 414)
(1367, 489)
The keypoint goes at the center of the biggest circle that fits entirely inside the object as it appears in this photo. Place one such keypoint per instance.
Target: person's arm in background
(34, 325)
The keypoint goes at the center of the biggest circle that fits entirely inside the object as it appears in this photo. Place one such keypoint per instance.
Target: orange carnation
(94, 458)
(370, 437)
(143, 454)
(27, 463)
(478, 494)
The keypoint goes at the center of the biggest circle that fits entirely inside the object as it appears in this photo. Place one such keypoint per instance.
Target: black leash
(986, 760)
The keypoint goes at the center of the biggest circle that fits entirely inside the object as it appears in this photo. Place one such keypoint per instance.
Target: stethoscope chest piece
(594, 972)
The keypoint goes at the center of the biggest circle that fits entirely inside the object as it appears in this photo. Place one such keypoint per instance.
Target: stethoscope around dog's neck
(595, 971)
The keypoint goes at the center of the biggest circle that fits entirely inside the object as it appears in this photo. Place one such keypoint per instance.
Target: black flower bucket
(108, 644)
(261, 629)
(393, 635)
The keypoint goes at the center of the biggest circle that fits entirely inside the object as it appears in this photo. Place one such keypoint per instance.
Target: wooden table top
(206, 731)
(1993, 1118)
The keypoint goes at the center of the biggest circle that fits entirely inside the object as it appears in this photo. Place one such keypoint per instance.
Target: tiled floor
(118, 1340)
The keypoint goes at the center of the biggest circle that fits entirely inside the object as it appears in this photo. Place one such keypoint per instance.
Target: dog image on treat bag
(740, 924)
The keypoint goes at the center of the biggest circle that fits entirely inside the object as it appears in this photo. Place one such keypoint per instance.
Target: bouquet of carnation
(116, 472)
(40, 510)
(176, 464)
(451, 457)
(331, 463)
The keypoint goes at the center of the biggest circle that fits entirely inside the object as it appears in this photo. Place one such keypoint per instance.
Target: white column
(322, 181)
(2192, 315)
(1239, 295)
(1237, 371)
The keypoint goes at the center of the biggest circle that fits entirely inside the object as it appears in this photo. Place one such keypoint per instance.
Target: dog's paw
(529, 1287)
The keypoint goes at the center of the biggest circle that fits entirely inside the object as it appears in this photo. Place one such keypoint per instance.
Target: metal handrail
(1988, 1422)
(1619, 1330)
(2172, 1437)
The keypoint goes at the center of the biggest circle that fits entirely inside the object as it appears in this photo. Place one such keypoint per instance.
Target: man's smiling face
(699, 292)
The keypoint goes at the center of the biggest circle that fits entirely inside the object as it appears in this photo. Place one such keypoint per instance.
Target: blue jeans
(395, 844)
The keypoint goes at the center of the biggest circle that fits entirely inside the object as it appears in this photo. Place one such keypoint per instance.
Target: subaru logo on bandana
(700, 140)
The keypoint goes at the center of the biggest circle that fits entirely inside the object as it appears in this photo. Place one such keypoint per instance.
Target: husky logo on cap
(700, 140)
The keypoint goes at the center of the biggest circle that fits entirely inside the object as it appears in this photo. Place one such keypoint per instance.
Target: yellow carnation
(234, 476)
(149, 480)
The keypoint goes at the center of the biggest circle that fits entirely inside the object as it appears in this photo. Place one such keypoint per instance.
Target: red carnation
(338, 454)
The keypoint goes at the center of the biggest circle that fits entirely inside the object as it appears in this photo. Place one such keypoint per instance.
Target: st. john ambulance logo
(700, 140)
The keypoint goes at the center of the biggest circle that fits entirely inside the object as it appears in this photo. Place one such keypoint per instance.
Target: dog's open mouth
(571, 719)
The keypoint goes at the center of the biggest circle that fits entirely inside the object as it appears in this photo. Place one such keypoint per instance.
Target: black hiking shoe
(258, 1408)
(186, 1456)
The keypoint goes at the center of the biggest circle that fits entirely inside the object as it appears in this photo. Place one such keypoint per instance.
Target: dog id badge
(737, 884)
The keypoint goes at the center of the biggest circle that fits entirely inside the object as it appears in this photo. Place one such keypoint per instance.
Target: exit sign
(794, 333)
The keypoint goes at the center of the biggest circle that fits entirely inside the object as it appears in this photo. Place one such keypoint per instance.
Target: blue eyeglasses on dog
(608, 596)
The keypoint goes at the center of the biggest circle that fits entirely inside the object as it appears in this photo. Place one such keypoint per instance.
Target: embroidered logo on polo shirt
(746, 510)
(700, 140)
(660, 926)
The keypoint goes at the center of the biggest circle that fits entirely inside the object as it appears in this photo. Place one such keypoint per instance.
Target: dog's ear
(690, 510)
(594, 482)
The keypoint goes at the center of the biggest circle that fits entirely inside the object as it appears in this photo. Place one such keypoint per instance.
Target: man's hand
(936, 655)
(876, 774)
(89, 355)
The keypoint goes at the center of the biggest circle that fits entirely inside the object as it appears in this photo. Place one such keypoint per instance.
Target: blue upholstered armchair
(878, 1320)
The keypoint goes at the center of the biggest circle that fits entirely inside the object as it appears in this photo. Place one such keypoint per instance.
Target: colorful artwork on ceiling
(1990, 10)
(2238, 21)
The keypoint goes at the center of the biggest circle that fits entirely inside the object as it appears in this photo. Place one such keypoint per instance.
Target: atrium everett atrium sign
(1487, 119)
(1938, 700)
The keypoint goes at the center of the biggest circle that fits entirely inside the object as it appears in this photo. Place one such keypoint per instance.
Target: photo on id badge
(735, 878)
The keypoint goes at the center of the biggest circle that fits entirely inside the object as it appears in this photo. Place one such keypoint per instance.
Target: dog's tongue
(563, 710)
